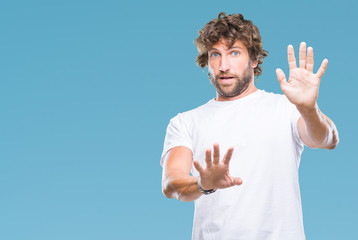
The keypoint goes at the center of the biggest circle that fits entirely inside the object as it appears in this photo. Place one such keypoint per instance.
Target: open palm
(216, 174)
(303, 85)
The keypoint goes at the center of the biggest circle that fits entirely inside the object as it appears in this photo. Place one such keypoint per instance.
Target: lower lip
(226, 80)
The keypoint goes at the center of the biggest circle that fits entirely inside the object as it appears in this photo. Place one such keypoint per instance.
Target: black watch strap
(206, 192)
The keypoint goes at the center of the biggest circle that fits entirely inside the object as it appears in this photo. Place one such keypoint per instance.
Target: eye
(235, 53)
(214, 54)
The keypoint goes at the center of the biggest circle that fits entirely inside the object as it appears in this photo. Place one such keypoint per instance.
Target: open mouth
(226, 80)
(226, 77)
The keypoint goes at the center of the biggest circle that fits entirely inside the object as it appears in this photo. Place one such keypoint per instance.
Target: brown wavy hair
(231, 28)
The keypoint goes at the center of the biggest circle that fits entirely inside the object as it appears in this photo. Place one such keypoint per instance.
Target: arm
(177, 182)
(316, 129)
(176, 179)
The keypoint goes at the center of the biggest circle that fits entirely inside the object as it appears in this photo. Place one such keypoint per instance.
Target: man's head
(230, 69)
(231, 28)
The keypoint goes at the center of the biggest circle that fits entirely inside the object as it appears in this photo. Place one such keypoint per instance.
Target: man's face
(230, 69)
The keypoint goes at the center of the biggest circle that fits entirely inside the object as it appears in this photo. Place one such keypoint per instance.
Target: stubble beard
(241, 83)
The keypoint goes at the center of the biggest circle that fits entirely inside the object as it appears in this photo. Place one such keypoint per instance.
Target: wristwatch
(206, 192)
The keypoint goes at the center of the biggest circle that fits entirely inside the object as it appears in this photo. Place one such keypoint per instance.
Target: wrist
(307, 110)
(204, 191)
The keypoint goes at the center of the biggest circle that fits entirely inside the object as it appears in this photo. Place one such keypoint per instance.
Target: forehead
(224, 45)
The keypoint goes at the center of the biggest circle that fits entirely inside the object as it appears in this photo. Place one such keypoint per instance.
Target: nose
(224, 64)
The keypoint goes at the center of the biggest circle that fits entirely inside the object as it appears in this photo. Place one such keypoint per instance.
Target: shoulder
(277, 102)
(190, 115)
(270, 97)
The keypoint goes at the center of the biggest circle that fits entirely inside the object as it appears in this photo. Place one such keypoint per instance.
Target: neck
(250, 89)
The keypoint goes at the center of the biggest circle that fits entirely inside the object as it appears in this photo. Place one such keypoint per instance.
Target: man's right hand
(216, 174)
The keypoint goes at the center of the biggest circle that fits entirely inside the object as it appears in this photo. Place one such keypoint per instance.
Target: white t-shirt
(262, 128)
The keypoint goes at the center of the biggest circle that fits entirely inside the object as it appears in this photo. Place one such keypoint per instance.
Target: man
(251, 193)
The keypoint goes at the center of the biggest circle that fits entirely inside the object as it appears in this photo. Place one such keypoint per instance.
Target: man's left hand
(302, 86)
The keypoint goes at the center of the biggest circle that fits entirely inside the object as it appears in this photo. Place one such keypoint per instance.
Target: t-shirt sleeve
(177, 135)
(294, 120)
(294, 117)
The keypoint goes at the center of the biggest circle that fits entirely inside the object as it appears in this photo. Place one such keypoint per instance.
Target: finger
(216, 154)
(228, 155)
(281, 78)
(291, 57)
(208, 158)
(310, 62)
(198, 166)
(302, 55)
(236, 180)
(322, 68)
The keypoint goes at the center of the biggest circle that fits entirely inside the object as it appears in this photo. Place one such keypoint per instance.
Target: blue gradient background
(87, 89)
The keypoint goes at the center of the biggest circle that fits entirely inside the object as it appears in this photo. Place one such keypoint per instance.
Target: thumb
(236, 180)
(281, 78)
(197, 166)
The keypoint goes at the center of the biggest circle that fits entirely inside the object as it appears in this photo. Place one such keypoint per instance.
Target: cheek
(210, 69)
(241, 65)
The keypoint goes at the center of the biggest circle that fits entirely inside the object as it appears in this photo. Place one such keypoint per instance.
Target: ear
(254, 64)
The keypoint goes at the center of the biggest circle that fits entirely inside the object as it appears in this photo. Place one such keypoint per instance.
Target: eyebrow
(236, 47)
(233, 47)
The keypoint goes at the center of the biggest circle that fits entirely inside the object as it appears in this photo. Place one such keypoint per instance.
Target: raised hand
(302, 86)
(216, 174)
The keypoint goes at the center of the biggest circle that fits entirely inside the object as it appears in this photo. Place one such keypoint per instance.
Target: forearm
(184, 188)
(320, 130)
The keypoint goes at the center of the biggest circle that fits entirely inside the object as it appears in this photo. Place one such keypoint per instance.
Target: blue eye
(214, 54)
(235, 53)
